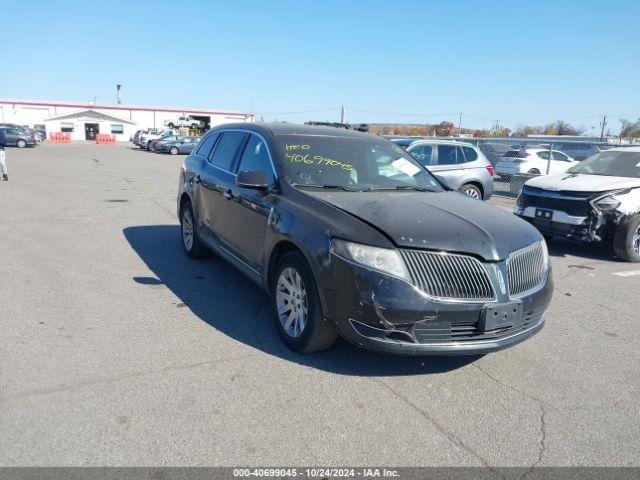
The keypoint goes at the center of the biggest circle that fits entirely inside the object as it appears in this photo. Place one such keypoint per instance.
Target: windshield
(351, 164)
(613, 164)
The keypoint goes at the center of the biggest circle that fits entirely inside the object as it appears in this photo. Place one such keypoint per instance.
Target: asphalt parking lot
(118, 350)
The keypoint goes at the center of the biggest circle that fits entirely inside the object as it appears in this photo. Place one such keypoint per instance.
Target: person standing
(3, 163)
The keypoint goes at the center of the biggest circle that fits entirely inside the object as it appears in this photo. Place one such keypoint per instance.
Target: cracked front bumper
(387, 314)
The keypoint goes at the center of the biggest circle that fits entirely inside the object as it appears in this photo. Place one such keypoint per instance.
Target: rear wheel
(173, 150)
(534, 171)
(21, 143)
(193, 247)
(626, 241)
(298, 313)
(471, 190)
(171, 125)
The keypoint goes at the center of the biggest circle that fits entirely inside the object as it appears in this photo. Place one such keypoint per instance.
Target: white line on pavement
(630, 273)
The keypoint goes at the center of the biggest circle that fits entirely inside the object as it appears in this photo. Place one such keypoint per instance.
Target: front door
(248, 209)
(91, 130)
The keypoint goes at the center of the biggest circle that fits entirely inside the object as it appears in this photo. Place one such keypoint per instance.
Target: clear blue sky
(403, 61)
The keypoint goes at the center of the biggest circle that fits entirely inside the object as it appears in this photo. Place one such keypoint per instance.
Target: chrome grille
(527, 269)
(449, 276)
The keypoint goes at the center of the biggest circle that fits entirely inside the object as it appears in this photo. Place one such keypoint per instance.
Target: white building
(83, 121)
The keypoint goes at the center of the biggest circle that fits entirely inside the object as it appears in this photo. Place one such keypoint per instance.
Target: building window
(66, 127)
(117, 128)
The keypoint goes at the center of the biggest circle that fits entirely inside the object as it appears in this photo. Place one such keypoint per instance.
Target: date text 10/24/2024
(300, 154)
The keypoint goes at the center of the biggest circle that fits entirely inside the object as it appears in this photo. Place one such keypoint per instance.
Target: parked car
(19, 138)
(597, 200)
(461, 166)
(494, 151)
(155, 144)
(146, 137)
(183, 147)
(351, 235)
(184, 121)
(534, 161)
(578, 150)
(136, 135)
(40, 131)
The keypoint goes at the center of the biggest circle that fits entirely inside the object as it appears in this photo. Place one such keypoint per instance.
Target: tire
(314, 333)
(21, 143)
(173, 150)
(194, 126)
(626, 241)
(171, 126)
(471, 190)
(534, 171)
(191, 244)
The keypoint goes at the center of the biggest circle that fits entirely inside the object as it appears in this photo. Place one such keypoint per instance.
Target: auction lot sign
(401, 473)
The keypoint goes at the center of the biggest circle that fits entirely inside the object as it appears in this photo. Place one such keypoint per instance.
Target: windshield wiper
(329, 187)
(405, 187)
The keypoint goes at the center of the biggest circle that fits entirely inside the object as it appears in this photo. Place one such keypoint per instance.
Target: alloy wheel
(472, 192)
(291, 302)
(187, 229)
(635, 242)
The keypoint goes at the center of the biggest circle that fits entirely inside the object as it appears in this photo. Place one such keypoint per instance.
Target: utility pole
(342, 113)
(604, 124)
(460, 126)
(119, 94)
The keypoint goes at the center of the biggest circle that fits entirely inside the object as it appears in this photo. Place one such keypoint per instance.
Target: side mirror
(254, 180)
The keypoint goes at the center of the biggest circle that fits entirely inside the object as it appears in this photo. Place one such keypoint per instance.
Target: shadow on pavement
(595, 251)
(222, 297)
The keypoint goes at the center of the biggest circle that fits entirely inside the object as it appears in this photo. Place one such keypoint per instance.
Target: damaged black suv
(352, 236)
(598, 200)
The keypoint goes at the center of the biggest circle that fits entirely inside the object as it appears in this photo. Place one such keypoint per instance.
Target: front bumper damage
(596, 226)
(388, 314)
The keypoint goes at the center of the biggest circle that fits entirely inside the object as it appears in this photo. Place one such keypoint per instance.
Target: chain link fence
(516, 160)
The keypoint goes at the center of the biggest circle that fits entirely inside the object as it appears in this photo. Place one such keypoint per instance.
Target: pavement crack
(543, 442)
(512, 388)
(450, 435)
(39, 392)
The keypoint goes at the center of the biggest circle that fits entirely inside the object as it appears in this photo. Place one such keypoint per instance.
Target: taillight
(490, 170)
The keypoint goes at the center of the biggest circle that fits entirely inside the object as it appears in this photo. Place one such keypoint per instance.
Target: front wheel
(626, 241)
(191, 244)
(471, 190)
(171, 125)
(534, 171)
(173, 150)
(298, 313)
(21, 143)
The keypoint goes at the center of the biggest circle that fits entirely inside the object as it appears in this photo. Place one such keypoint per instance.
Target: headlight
(545, 253)
(385, 260)
(606, 203)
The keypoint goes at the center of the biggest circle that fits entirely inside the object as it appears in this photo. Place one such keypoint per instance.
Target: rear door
(448, 164)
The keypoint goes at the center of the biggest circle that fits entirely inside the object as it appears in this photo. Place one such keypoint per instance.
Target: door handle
(228, 194)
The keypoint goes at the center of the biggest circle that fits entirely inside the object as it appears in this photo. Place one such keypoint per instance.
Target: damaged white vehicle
(597, 200)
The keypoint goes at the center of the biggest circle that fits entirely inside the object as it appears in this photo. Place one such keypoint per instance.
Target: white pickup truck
(184, 121)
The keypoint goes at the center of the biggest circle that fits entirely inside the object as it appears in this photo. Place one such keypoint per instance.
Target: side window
(560, 156)
(205, 147)
(226, 150)
(470, 154)
(255, 157)
(543, 155)
(448, 154)
(423, 153)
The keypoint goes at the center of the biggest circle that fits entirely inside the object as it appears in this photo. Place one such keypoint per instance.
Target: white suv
(534, 161)
(184, 121)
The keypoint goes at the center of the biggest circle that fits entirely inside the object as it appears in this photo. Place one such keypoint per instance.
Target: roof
(88, 112)
(441, 142)
(183, 110)
(296, 129)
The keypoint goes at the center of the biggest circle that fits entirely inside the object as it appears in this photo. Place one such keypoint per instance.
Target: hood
(580, 182)
(447, 221)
